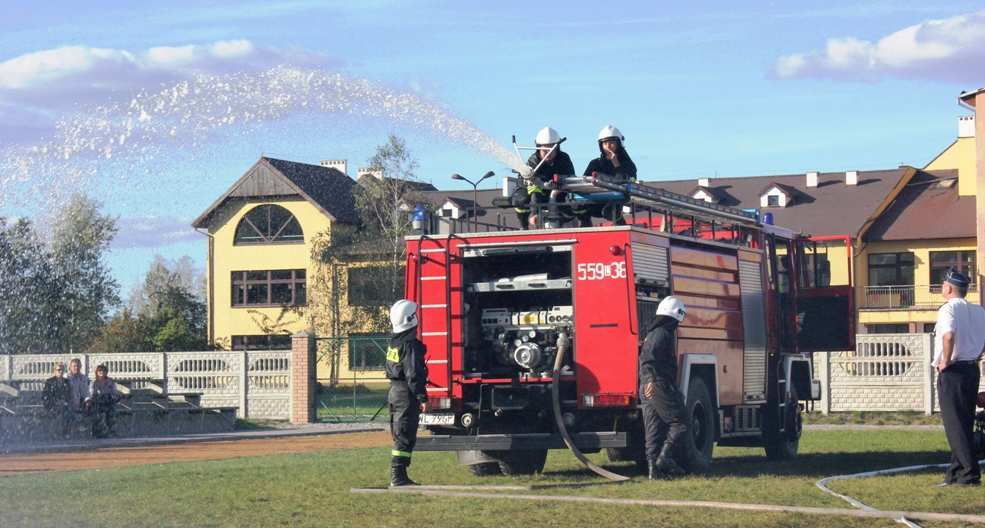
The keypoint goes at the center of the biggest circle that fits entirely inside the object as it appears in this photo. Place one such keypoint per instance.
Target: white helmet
(403, 315)
(611, 132)
(672, 307)
(548, 136)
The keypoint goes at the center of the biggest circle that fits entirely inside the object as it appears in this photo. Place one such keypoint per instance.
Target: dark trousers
(957, 388)
(663, 417)
(104, 418)
(404, 415)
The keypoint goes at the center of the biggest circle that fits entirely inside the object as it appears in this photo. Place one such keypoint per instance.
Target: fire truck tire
(485, 469)
(699, 442)
(521, 462)
(783, 445)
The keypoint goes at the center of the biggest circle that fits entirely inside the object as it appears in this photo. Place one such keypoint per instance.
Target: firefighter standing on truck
(531, 190)
(663, 405)
(408, 376)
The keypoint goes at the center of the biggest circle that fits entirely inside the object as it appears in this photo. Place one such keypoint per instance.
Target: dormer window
(703, 196)
(777, 195)
(268, 224)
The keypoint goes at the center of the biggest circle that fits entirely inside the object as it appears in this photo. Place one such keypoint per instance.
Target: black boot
(398, 476)
(665, 462)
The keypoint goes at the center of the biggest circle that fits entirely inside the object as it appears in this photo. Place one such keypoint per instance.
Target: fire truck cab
(496, 308)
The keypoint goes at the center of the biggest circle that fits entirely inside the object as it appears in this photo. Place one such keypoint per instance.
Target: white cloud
(137, 232)
(951, 49)
(37, 86)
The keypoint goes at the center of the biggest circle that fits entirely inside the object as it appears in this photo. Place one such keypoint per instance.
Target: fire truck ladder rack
(674, 203)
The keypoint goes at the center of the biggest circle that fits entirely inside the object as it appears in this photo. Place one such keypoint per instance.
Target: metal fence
(362, 394)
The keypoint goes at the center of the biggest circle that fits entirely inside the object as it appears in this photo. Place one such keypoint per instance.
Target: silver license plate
(437, 419)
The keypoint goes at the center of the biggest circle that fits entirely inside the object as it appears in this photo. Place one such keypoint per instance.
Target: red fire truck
(497, 309)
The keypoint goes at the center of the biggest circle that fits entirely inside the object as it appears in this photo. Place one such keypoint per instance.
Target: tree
(382, 205)
(164, 313)
(25, 291)
(82, 282)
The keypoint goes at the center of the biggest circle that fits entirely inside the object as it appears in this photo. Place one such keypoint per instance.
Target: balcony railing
(904, 296)
(888, 297)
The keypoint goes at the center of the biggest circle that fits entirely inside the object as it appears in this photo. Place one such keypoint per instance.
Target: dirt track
(162, 454)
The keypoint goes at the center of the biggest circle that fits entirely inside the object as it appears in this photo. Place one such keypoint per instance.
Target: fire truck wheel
(784, 445)
(521, 462)
(485, 469)
(700, 439)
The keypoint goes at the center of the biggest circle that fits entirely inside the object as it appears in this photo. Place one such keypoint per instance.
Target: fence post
(244, 379)
(927, 344)
(164, 372)
(303, 365)
(825, 375)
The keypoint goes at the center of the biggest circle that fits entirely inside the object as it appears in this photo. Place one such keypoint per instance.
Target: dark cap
(957, 278)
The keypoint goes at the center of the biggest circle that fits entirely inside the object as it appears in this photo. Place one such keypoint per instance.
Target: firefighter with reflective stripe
(532, 188)
(664, 413)
(408, 376)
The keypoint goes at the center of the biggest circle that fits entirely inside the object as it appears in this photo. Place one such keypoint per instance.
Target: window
(890, 269)
(773, 200)
(262, 342)
(267, 224)
(941, 261)
(367, 351)
(371, 286)
(269, 288)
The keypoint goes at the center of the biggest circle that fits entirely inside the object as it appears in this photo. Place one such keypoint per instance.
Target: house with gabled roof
(270, 273)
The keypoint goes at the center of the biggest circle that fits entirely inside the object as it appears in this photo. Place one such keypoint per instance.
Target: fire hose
(823, 486)
(562, 347)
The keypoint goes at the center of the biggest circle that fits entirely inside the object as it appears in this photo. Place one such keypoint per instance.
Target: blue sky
(699, 90)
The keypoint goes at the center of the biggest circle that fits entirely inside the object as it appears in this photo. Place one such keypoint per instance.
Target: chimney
(966, 126)
(704, 182)
(812, 179)
(851, 178)
(339, 165)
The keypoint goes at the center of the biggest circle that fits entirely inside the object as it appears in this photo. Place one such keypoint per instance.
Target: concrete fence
(261, 384)
(885, 372)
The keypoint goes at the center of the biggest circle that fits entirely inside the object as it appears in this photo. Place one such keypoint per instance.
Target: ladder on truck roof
(665, 200)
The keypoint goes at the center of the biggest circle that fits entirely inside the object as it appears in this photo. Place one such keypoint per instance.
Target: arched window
(266, 224)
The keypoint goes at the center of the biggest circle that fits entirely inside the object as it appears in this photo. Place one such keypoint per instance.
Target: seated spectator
(79, 386)
(103, 397)
(55, 398)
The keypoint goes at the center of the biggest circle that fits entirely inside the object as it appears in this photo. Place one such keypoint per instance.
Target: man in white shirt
(958, 344)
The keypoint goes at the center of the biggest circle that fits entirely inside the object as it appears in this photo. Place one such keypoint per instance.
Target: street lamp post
(475, 193)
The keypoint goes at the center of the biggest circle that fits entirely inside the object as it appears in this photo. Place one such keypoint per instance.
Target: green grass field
(313, 490)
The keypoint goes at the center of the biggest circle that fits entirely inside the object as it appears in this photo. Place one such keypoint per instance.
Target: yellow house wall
(243, 320)
(333, 302)
(959, 155)
(923, 297)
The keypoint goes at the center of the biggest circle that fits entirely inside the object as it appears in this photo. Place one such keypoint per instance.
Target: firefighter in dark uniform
(532, 189)
(408, 376)
(663, 405)
(615, 162)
